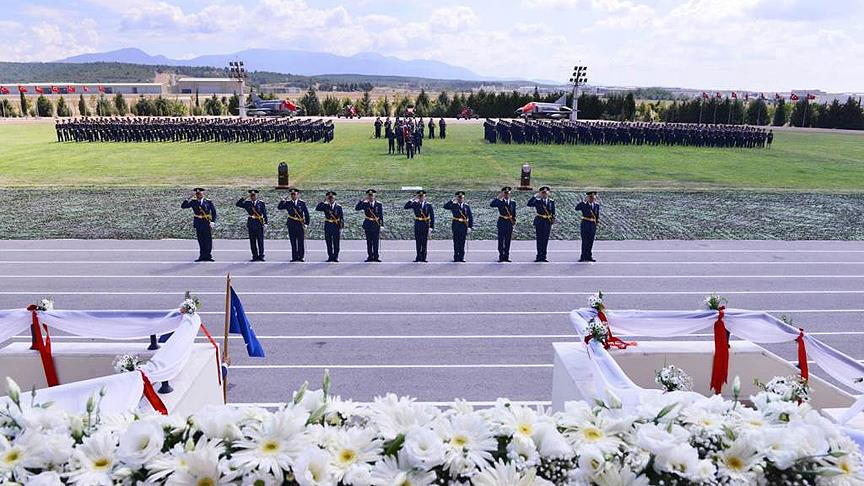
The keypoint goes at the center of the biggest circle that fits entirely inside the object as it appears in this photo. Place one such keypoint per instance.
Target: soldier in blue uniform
(590, 209)
(506, 222)
(463, 223)
(544, 220)
(431, 128)
(372, 224)
(424, 223)
(298, 219)
(391, 139)
(442, 129)
(205, 219)
(334, 221)
(378, 127)
(256, 223)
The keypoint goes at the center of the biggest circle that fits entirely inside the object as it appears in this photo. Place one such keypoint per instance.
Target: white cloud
(452, 19)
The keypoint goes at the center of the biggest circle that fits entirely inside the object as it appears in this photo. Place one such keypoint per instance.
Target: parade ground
(478, 331)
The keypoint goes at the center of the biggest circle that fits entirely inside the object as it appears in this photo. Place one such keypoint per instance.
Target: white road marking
(382, 293)
(344, 263)
(392, 367)
(431, 250)
(434, 277)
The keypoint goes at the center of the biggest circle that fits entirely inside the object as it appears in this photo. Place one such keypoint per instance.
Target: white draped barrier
(757, 327)
(123, 391)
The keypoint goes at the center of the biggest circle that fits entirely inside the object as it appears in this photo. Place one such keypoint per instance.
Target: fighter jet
(271, 107)
(555, 110)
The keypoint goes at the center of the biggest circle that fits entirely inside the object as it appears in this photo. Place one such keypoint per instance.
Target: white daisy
(274, 446)
(140, 443)
(94, 460)
(352, 447)
(393, 472)
(313, 468)
(504, 475)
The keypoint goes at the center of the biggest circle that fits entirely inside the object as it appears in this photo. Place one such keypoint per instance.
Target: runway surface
(437, 331)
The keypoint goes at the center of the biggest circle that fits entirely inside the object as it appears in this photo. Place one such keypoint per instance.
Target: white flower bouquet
(190, 305)
(785, 388)
(320, 440)
(673, 378)
(45, 304)
(595, 301)
(127, 362)
(599, 331)
(714, 302)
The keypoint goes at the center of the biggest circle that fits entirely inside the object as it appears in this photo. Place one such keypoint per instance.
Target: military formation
(462, 222)
(405, 135)
(560, 132)
(189, 129)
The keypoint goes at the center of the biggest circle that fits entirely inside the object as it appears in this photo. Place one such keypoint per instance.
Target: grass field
(29, 156)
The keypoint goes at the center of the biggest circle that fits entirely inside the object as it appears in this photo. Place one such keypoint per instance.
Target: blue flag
(240, 325)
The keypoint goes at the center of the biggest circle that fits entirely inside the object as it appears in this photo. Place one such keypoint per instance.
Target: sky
(759, 45)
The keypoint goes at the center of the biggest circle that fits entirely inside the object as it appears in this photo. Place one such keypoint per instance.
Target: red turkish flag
(70, 89)
(86, 89)
(101, 88)
(22, 89)
(55, 89)
(40, 89)
(734, 95)
(811, 97)
(719, 95)
(4, 90)
(794, 97)
(705, 95)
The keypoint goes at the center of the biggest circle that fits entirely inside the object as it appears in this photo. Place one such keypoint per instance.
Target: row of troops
(88, 129)
(461, 216)
(625, 133)
(405, 136)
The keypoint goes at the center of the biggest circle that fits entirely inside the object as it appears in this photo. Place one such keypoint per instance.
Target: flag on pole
(240, 325)
(4, 90)
(86, 89)
(794, 97)
(705, 95)
(719, 95)
(101, 88)
(70, 89)
(55, 89)
(811, 97)
(39, 89)
(734, 95)
(22, 89)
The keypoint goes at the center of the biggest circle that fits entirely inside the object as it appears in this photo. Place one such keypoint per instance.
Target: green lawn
(29, 156)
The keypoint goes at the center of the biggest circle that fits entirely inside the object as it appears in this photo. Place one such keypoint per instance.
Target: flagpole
(225, 359)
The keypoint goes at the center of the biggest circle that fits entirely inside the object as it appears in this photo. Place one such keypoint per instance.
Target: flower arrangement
(127, 362)
(318, 439)
(45, 304)
(598, 331)
(715, 302)
(191, 304)
(785, 388)
(595, 301)
(673, 378)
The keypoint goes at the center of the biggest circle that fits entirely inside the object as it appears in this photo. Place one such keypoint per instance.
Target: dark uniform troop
(158, 129)
(462, 222)
(560, 132)
(406, 135)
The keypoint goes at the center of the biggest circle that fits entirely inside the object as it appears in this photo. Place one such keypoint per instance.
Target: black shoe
(209, 259)
(200, 260)
(261, 259)
(584, 260)
(417, 260)
(507, 259)
(592, 259)
(377, 260)
(335, 260)
(254, 259)
(301, 260)
(369, 260)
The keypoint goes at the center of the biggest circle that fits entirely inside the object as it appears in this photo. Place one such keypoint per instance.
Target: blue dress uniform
(543, 222)
(372, 224)
(588, 228)
(334, 221)
(298, 218)
(463, 220)
(205, 215)
(424, 222)
(506, 221)
(257, 212)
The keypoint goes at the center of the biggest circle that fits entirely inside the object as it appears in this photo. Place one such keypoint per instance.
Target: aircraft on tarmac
(271, 107)
(536, 109)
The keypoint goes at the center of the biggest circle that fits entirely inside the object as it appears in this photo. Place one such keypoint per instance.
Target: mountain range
(291, 61)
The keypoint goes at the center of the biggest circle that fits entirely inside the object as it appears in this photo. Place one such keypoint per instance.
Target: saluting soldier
(256, 223)
(378, 127)
(372, 224)
(205, 220)
(590, 209)
(334, 221)
(544, 220)
(298, 219)
(424, 223)
(506, 222)
(463, 223)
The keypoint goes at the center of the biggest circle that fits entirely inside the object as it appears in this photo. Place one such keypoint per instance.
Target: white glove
(212, 225)
(470, 229)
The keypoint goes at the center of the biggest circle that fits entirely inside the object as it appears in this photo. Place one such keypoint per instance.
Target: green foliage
(120, 105)
(234, 105)
(83, 110)
(757, 112)
(330, 107)
(781, 114)
(44, 106)
(7, 109)
(364, 104)
(62, 108)
(383, 107)
(104, 106)
(310, 103)
(802, 114)
(422, 104)
(213, 106)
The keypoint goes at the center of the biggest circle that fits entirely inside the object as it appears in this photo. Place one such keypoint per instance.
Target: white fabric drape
(757, 327)
(124, 391)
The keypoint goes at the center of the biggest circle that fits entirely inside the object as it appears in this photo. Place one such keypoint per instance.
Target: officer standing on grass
(298, 219)
(391, 139)
(442, 129)
(506, 222)
(590, 209)
(544, 220)
(463, 223)
(334, 221)
(256, 223)
(205, 219)
(431, 128)
(378, 127)
(424, 223)
(373, 223)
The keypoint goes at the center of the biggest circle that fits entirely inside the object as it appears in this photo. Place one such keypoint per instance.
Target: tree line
(117, 105)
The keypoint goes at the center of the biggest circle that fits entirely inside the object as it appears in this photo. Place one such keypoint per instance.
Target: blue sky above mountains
(744, 44)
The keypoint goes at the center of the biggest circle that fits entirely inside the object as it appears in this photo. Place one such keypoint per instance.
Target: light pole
(238, 73)
(580, 77)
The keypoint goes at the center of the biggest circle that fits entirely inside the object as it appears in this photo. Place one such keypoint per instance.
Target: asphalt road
(437, 331)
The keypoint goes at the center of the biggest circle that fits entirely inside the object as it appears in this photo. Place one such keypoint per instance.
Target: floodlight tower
(580, 77)
(239, 74)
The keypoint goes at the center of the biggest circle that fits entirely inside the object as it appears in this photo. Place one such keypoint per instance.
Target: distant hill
(293, 61)
(123, 72)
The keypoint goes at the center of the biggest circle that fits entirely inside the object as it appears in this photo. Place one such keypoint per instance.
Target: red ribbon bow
(720, 367)
(611, 340)
(44, 348)
(802, 355)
